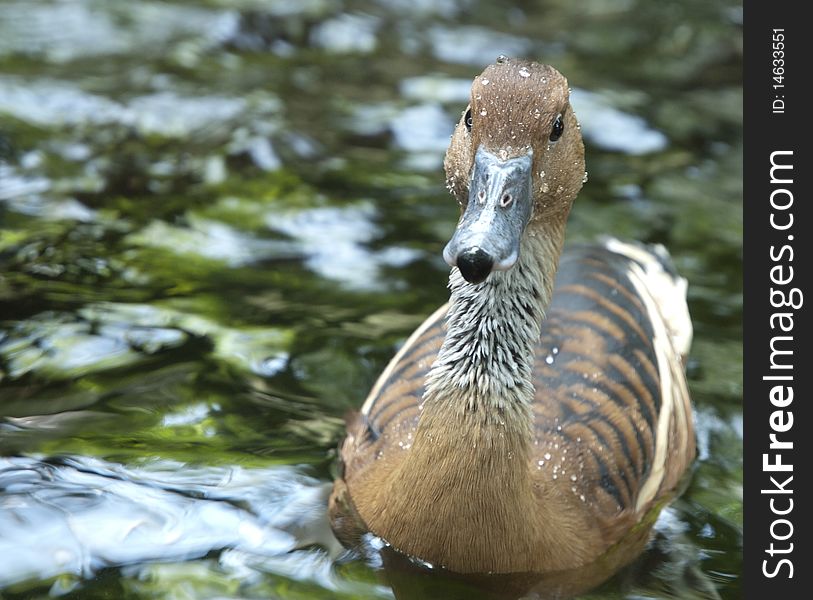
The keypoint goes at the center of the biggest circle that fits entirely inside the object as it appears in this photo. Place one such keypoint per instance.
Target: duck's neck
(484, 368)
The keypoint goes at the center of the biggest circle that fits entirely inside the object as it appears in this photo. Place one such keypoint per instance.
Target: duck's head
(515, 162)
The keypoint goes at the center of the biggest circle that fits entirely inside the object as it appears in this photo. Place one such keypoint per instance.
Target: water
(218, 221)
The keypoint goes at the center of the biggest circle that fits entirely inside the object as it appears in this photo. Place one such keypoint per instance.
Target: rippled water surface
(218, 221)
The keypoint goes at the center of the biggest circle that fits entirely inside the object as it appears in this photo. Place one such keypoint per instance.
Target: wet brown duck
(525, 427)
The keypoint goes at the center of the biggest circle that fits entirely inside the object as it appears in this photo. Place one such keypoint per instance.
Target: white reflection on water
(612, 129)
(335, 241)
(56, 103)
(77, 515)
(475, 45)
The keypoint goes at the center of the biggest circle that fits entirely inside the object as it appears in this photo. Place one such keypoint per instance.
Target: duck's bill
(488, 235)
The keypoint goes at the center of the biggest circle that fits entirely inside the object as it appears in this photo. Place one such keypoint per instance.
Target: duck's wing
(386, 423)
(390, 413)
(612, 412)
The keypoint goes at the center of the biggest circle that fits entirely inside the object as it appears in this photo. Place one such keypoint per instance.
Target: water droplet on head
(485, 81)
(547, 455)
(502, 58)
(549, 359)
(524, 72)
(584, 179)
(483, 112)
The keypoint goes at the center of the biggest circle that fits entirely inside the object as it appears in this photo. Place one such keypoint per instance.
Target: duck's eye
(558, 128)
(467, 119)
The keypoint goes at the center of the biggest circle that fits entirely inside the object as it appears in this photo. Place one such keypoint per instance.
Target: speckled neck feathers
(486, 360)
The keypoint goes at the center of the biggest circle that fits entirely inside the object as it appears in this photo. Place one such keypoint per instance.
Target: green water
(218, 220)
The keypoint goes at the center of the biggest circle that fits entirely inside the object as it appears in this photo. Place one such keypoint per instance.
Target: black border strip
(775, 124)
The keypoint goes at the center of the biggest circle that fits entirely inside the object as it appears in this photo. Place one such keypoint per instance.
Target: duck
(541, 419)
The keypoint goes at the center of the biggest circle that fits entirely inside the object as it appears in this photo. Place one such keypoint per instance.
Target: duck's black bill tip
(475, 265)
